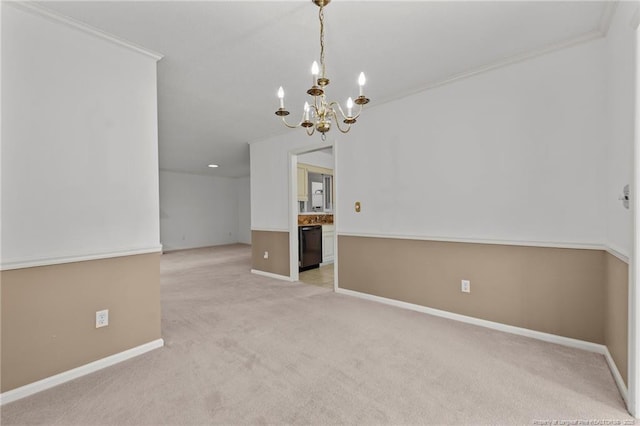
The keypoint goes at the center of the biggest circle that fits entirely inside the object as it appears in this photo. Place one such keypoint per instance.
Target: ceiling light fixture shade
(320, 114)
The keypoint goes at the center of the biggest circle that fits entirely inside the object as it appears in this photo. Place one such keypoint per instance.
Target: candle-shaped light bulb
(361, 81)
(306, 111)
(281, 96)
(349, 106)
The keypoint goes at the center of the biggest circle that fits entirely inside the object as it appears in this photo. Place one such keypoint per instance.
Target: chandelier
(320, 114)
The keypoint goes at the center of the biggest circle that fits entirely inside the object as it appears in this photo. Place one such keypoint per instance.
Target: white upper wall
(512, 154)
(243, 188)
(79, 142)
(197, 210)
(620, 66)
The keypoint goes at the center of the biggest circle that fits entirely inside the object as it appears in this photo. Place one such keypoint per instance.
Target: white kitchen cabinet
(302, 184)
(328, 237)
(315, 186)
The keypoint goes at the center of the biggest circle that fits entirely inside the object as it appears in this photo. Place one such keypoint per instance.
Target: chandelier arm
(290, 125)
(334, 104)
(335, 117)
(355, 117)
(344, 131)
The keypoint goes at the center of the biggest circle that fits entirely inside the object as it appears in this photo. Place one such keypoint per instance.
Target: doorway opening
(312, 224)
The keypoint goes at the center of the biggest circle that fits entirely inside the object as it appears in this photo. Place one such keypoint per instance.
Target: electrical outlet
(102, 318)
(266, 254)
(465, 286)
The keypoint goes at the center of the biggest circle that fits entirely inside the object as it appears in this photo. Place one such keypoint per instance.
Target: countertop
(315, 219)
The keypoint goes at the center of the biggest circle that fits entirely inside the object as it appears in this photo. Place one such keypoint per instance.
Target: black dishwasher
(309, 247)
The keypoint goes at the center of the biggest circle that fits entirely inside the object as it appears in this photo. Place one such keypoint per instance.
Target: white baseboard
(566, 341)
(552, 338)
(271, 275)
(83, 370)
(616, 375)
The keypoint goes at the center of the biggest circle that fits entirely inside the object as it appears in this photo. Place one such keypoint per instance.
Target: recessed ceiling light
(213, 166)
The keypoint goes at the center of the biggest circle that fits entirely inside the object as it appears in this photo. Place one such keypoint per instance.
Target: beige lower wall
(277, 244)
(552, 290)
(48, 314)
(616, 311)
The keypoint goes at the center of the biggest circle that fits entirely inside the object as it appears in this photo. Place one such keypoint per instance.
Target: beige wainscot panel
(276, 245)
(616, 311)
(552, 290)
(48, 314)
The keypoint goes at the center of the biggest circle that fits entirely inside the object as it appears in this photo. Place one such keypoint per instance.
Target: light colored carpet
(245, 349)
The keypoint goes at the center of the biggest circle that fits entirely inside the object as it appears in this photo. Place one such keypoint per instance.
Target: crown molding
(38, 9)
(565, 44)
(600, 32)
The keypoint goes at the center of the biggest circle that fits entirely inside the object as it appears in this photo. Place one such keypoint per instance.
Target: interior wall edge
(47, 261)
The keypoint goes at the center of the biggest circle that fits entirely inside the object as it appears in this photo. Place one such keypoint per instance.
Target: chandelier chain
(321, 15)
(321, 115)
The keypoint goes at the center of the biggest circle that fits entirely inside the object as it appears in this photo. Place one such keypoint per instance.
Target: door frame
(633, 363)
(293, 206)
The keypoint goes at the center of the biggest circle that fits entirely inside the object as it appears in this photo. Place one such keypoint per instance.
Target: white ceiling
(224, 60)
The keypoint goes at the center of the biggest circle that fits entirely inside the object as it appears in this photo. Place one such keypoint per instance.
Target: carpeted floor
(245, 349)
